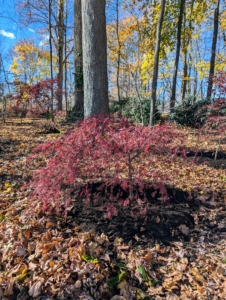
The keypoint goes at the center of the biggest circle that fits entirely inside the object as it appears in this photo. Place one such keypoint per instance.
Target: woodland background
(187, 43)
(120, 206)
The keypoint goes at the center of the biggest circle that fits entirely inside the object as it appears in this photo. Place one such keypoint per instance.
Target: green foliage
(186, 112)
(115, 280)
(79, 76)
(76, 114)
(130, 108)
(88, 258)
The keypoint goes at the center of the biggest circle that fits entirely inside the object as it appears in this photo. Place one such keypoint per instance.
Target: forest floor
(179, 252)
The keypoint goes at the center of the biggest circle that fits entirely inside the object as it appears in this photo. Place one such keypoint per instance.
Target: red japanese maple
(34, 100)
(111, 151)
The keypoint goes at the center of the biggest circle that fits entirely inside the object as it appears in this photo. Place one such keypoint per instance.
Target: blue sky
(10, 29)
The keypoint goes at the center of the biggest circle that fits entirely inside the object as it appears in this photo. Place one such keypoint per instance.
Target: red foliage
(17, 110)
(34, 100)
(214, 114)
(112, 151)
(220, 84)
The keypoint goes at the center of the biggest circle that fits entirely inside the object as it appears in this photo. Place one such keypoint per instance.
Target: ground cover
(178, 254)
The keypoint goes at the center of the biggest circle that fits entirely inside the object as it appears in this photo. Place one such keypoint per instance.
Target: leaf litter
(44, 257)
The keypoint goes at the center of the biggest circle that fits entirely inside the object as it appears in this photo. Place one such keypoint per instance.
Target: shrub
(191, 112)
(76, 114)
(215, 115)
(186, 112)
(34, 100)
(109, 150)
(220, 85)
(17, 110)
(130, 108)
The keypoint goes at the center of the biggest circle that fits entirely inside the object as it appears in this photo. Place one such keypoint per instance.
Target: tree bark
(65, 63)
(119, 48)
(79, 93)
(60, 53)
(51, 56)
(185, 52)
(94, 57)
(174, 85)
(185, 75)
(213, 52)
(156, 63)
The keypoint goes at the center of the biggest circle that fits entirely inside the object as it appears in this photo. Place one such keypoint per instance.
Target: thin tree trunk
(195, 81)
(2, 97)
(94, 43)
(185, 75)
(174, 85)
(79, 93)
(51, 57)
(65, 67)
(60, 53)
(119, 48)
(186, 45)
(156, 63)
(213, 52)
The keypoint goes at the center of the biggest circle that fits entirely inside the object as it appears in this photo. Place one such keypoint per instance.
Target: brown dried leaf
(197, 275)
(36, 289)
(170, 285)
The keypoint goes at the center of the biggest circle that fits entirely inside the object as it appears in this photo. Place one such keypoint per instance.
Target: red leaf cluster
(215, 113)
(34, 100)
(220, 84)
(111, 151)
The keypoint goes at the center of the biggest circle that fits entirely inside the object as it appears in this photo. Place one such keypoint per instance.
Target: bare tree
(156, 63)
(179, 26)
(213, 52)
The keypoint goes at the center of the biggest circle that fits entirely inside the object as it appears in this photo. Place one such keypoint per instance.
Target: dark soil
(49, 131)
(162, 221)
(208, 157)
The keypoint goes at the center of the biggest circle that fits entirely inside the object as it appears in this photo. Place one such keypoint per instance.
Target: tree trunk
(94, 57)
(60, 53)
(79, 93)
(180, 19)
(213, 53)
(186, 46)
(65, 64)
(185, 75)
(156, 63)
(51, 56)
(119, 48)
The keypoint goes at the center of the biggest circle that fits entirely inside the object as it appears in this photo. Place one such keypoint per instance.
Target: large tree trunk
(94, 57)
(213, 53)
(173, 91)
(156, 63)
(60, 53)
(79, 93)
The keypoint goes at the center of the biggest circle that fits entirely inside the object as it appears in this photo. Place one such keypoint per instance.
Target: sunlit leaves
(30, 63)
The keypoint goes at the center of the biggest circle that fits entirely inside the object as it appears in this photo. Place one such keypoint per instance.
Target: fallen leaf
(170, 285)
(184, 229)
(36, 289)
(197, 275)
